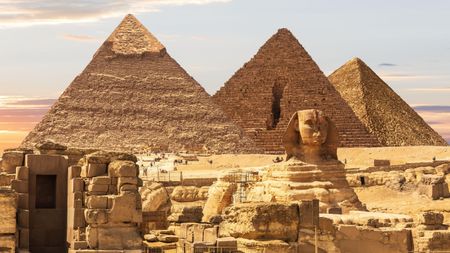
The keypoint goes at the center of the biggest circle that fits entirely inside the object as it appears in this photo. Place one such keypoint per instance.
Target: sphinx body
(311, 169)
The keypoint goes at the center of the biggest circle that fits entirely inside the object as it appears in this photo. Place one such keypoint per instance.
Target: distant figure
(277, 159)
(210, 162)
(145, 171)
(174, 168)
(185, 162)
(434, 158)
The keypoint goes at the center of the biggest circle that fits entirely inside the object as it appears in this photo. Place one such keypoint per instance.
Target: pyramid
(384, 113)
(279, 80)
(133, 95)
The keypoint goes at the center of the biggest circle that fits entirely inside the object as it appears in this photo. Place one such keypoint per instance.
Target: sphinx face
(313, 127)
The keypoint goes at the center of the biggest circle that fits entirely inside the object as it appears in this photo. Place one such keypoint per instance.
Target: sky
(44, 44)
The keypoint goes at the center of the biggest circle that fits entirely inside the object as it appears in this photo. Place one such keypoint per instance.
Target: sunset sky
(44, 44)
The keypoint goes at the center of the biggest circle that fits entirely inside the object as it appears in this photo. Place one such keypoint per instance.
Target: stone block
(95, 216)
(127, 180)
(101, 180)
(79, 245)
(93, 170)
(184, 227)
(97, 202)
(119, 238)
(76, 185)
(309, 213)
(20, 186)
(98, 188)
(74, 171)
(124, 208)
(167, 238)
(23, 201)
(75, 218)
(121, 168)
(92, 237)
(24, 238)
(210, 234)
(23, 218)
(379, 162)
(128, 188)
(226, 242)
(8, 243)
(10, 160)
(22, 173)
(430, 218)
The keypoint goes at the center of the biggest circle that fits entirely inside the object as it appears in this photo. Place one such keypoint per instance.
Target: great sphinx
(311, 137)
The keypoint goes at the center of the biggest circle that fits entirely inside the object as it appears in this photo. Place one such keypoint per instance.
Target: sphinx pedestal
(295, 180)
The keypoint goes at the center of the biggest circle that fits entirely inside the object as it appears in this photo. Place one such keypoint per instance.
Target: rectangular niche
(45, 191)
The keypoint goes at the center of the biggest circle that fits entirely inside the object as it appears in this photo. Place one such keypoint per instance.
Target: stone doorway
(47, 203)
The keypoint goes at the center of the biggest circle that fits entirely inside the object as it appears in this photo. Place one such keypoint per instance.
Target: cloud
(18, 13)
(438, 117)
(386, 64)
(83, 38)
(407, 76)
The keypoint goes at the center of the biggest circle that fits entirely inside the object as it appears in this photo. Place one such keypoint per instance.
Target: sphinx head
(311, 137)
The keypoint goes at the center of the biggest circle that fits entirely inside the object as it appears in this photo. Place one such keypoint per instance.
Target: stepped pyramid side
(133, 95)
(279, 80)
(381, 110)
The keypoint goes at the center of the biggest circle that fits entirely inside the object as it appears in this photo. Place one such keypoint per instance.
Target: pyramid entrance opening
(277, 95)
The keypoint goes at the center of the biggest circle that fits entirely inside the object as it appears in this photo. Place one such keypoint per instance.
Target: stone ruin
(99, 203)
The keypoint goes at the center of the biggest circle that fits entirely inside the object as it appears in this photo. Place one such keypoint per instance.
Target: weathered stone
(167, 238)
(189, 193)
(261, 221)
(93, 170)
(8, 207)
(119, 238)
(97, 202)
(92, 237)
(127, 180)
(76, 185)
(95, 216)
(10, 160)
(101, 180)
(98, 188)
(74, 171)
(152, 200)
(22, 173)
(430, 218)
(220, 196)
(182, 213)
(124, 208)
(120, 168)
(20, 186)
(150, 238)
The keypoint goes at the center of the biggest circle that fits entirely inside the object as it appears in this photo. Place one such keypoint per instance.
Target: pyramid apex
(132, 38)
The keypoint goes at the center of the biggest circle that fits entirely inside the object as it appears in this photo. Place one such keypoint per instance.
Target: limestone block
(121, 168)
(210, 234)
(6, 179)
(22, 173)
(23, 218)
(23, 200)
(24, 238)
(152, 200)
(220, 196)
(8, 243)
(119, 238)
(128, 188)
(93, 170)
(79, 245)
(150, 238)
(20, 186)
(168, 238)
(184, 228)
(75, 218)
(261, 221)
(184, 213)
(309, 213)
(127, 180)
(430, 218)
(95, 216)
(97, 202)
(101, 180)
(443, 169)
(98, 188)
(10, 160)
(74, 171)
(124, 208)
(98, 157)
(76, 185)
(189, 193)
(8, 207)
(92, 237)
(227, 242)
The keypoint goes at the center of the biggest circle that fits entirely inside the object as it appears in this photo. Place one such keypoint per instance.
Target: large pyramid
(279, 80)
(390, 119)
(133, 95)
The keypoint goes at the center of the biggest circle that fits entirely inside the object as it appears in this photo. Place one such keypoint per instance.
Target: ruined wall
(8, 207)
(104, 206)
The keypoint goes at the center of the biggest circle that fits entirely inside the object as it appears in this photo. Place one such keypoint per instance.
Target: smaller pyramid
(281, 79)
(384, 113)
